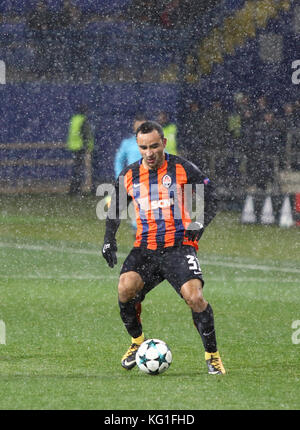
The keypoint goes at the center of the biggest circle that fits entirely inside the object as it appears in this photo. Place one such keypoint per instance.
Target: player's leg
(138, 276)
(183, 271)
(203, 318)
(130, 284)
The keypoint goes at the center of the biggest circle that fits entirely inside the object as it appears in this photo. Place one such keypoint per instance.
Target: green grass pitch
(65, 339)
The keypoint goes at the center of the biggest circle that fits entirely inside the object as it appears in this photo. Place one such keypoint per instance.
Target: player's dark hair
(148, 127)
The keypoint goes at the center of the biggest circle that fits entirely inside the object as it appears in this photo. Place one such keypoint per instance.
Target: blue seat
(232, 5)
(111, 29)
(17, 7)
(20, 56)
(54, 5)
(10, 32)
(102, 7)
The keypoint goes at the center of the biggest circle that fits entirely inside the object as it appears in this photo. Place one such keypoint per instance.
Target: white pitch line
(48, 248)
(61, 277)
(209, 261)
(88, 277)
(264, 268)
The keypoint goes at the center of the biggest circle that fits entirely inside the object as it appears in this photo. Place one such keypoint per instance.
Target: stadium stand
(118, 68)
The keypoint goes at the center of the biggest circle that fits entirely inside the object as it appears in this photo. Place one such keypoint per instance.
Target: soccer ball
(153, 356)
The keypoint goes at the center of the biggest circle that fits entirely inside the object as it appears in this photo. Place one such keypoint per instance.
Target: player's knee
(130, 284)
(196, 302)
(192, 294)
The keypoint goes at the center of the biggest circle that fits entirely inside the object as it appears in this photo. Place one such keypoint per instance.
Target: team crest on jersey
(167, 181)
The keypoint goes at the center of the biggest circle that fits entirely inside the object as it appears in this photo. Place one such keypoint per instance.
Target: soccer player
(166, 239)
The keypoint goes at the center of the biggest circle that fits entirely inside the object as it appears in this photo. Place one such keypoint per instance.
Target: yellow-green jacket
(170, 133)
(79, 136)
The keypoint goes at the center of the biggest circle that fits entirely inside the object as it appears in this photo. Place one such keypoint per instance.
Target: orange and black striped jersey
(159, 197)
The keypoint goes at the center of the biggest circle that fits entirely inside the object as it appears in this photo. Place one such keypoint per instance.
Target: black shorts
(177, 265)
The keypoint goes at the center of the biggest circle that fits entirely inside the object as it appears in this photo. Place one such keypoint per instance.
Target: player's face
(151, 147)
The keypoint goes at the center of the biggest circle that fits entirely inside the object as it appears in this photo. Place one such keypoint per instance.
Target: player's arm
(211, 202)
(120, 159)
(119, 200)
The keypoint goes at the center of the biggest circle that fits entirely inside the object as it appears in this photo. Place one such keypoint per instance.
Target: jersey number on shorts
(193, 263)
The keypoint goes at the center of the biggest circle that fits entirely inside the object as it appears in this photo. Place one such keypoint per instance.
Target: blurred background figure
(289, 120)
(39, 22)
(170, 132)
(128, 151)
(286, 123)
(266, 143)
(202, 136)
(297, 112)
(80, 142)
(213, 125)
(190, 141)
(68, 16)
(261, 106)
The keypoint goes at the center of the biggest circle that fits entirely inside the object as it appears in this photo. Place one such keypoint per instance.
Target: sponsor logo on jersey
(155, 204)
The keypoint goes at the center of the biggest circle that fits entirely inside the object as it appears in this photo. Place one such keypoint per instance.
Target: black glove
(109, 251)
(194, 231)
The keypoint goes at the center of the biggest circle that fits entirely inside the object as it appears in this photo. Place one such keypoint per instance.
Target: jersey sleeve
(119, 201)
(211, 199)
